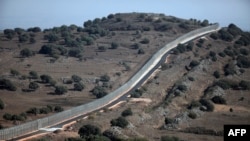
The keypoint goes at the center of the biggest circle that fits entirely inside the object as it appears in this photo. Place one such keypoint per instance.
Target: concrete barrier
(32, 126)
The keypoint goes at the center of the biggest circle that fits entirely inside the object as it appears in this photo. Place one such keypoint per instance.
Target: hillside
(202, 86)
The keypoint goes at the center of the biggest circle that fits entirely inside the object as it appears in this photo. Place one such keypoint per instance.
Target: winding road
(43, 125)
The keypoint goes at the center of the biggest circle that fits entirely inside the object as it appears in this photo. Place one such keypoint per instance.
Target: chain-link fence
(32, 126)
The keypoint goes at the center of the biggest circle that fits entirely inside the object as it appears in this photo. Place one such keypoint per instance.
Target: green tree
(33, 85)
(76, 78)
(145, 41)
(114, 45)
(78, 86)
(61, 90)
(87, 130)
(14, 72)
(120, 121)
(7, 84)
(127, 112)
(216, 74)
(58, 109)
(99, 91)
(105, 78)
(45, 78)
(1, 104)
(33, 75)
(26, 52)
(205, 23)
(23, 38)
(9, 33)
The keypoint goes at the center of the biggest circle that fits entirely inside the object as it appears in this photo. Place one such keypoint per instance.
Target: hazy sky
(50, 13)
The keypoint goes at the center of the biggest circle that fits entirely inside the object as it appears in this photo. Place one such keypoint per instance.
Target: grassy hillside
(202, 85)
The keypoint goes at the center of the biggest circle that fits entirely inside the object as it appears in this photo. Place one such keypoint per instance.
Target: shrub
(191, 78)
(114, 45)
(76, 78)
(224, 84)
(244, 51)
(1, 104)
(169, 120)
(9, 33)
(88, 130)
(192, 115)
(7, 116)
(245, 85)
(58, 109)
(26, 52)
(193, 63)
(102, 48)
(222, 54)
(44, 110)
(216, 74)
(33, 85)
(14, 72)
(243, 62)
(212, 54)
(218, 100)
(168, 138)
(99, 91)
(145, 41)
(229, 69)
(194, 104)
(23, 38)
(33, 110)
(74, 52)
(209, 106)
(45, 78)
(105, 78)
(7, 84)
(184, 26)
(214, 36)
(33, 75)
(52, 37)
(79, 86)
(120, 121)
(61, 90)
(141, 51)
(182, 88)
(127, 112)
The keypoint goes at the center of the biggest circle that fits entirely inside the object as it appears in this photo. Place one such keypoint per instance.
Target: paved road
(124, 96)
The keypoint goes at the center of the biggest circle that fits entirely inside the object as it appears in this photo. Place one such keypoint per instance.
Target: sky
(51, 13)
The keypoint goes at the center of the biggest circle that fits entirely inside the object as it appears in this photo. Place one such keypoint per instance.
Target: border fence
(35, 125)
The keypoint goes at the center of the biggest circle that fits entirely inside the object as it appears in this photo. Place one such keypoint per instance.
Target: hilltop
(43, 72)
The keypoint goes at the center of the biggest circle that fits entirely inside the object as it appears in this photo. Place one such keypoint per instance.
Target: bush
(168, 138)
(33, 85)
(105, 78)
(114, 45)
(191, 78)
(209, 106)
(214, 36)
(243, 62)
(216, 74)
(99, 91)
(33, 110)
(58, 109)
(218, 100)
(14, 72)
(141, 51)
(145, 41)
(9, 33)
(192, 115)
(74, 52)
(79, 86)
(23, 38)
(7, 84)
(169, 120)
(44, 110)
(26, 52)
(222, 54)
(194, 104)
(225, 84)
(45, 78)
(102, 48)
(88, 130)
(1, 104)
(52, 37)
(182, 88)
(76, 78)
(61, 90)
(193, 63)
(120, 121)
(7, 116)
(245, 85)
(127, 112)
(33, 75)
